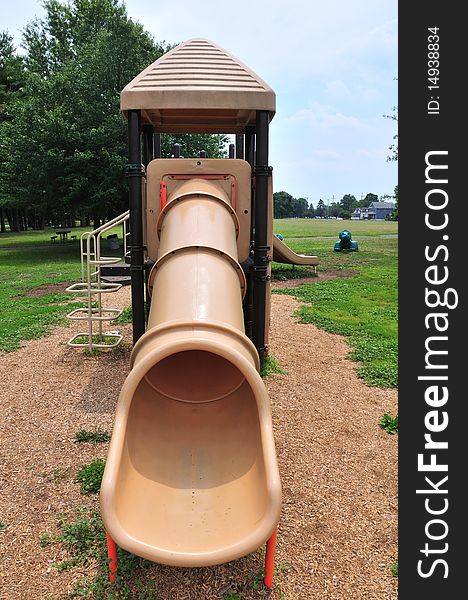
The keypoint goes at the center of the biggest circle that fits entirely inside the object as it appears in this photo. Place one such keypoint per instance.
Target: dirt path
(338, 528)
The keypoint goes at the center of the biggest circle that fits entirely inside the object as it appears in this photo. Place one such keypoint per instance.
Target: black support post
(156, 145)
(249, 147)
(148, 155)
(261, 249)
(239, 145)
(250, 144)
(231, 150)
(135, 173)
(148, 150)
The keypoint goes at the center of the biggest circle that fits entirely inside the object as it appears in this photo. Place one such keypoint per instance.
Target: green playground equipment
(346, 242)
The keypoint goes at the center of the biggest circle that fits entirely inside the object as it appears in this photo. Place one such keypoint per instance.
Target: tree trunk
(2, 220)
(96, 219)
(9, 218)
(15, 219)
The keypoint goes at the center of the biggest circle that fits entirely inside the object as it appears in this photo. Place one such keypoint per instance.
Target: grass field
(362, 307)
(331, 227)
(24, 316)
(29, 261)
(42, 237)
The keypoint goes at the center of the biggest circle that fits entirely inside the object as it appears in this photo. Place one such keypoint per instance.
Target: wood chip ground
(337, 535)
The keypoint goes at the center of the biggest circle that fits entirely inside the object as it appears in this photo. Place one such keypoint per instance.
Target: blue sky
(332, 65)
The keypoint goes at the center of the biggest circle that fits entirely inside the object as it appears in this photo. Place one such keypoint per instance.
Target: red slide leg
(112, 554)
(270, 560)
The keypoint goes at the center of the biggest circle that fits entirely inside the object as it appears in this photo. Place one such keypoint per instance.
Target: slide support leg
(270, 560)
(112, 554)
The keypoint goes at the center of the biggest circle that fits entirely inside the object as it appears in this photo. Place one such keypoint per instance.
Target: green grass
(42, 237)
(125, 317)
(331, 227)
(46, 539)
(92, 437)
(389, 423)
(96, 339)
(270, 366)
(21, 271)
(90, 476)
(282, 272)
(82, 536)
(55, 476)
(394, 569)
(362, 307)
(3, 526)
(26, 271)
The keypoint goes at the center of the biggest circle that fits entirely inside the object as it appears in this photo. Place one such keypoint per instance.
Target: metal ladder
(92, 285)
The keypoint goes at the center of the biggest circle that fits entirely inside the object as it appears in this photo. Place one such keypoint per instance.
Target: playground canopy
(198, 87)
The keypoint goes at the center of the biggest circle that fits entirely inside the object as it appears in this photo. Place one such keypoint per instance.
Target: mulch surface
(338, 529)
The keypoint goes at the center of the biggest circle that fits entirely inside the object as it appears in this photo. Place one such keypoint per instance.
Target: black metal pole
(176, 150)
(148, 155)
(239, 145)
(135, 173)
(148, 150)
(250, 144)
(202, 154)
(231, 150)
(261, 249)
(156, 145)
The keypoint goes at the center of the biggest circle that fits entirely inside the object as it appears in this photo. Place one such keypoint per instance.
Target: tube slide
(191, 477)
(284, 254)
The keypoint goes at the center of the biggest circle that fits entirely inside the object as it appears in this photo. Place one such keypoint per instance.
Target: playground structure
(93, 285)
(346, 242)
(191, 477)
(283, 254)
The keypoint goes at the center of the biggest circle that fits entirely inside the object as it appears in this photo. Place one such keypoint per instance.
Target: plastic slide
(191, 477)
(284, 254)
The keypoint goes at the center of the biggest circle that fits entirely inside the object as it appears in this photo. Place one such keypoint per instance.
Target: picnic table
(63, 233)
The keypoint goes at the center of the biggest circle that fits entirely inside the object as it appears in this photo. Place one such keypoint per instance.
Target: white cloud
(338, 89)
(325, 116)
(331, 64)
(326, 154)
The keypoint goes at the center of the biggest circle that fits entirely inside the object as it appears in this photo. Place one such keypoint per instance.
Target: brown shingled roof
(196, 87)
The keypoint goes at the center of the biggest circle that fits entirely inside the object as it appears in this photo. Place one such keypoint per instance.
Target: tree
(282, 205)
(12, 78)
(321, 208)
(310, 212)
(348, 203)
(191, 144)
(393, 156)
(300, 206)
(65, 150)
(393, 216)
(11, 73)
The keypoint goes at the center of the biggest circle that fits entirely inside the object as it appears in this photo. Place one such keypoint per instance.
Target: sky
(333, 67)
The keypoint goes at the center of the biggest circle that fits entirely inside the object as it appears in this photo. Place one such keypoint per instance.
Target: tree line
(63, 141)
(286, 206)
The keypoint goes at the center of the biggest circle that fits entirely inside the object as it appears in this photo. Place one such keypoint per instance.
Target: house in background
(376, 210)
